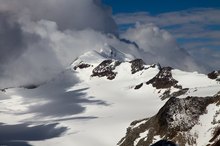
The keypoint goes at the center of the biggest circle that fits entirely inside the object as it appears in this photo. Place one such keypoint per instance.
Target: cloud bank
(68, 14)
(161, 47)
(195, 30)
(39, 39)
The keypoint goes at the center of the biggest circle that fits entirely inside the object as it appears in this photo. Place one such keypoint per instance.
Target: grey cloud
(12, 44)
(68, 14)
(23, 56)
(208, 56)
(39, 39)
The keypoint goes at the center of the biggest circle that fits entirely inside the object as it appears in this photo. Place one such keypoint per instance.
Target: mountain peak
(110, 52)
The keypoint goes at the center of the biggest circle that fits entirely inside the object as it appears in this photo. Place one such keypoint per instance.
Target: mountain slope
(103, 91)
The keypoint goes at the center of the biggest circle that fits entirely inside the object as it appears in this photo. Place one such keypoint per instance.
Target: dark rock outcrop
(163, 79)
(137, 65)
(138, 86)
(214, 75)
(173, 119)
(106, 68)
(81, 65)
(168, 94)
(164, 143)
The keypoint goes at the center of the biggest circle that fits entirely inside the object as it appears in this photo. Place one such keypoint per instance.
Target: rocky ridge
(175, 122)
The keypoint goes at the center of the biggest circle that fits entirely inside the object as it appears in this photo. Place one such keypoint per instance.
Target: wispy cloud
(202, 16)
(193, 29)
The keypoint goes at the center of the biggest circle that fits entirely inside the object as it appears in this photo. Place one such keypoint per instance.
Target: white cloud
(194, 29)
(195, 23)
(50, 53)
(162, 47)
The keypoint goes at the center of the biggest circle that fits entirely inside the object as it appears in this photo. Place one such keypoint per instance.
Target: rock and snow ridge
(114, 89)
(180, 113)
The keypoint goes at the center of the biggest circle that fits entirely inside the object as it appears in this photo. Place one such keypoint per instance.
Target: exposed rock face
(163, 79)
(137, 65)
(172, 122)
(138, 86)
(164, 143)
(106, 68)
(168, 93)
(214, 74)
(181, 114)
(81, 65)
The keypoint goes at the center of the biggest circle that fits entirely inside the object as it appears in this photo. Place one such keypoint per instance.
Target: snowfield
(96, 110)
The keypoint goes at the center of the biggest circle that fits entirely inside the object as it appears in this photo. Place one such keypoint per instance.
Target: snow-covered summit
(112, 53)
(107, 52)
(186, 96)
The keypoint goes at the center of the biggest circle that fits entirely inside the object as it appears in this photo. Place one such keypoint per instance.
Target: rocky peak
(81, 65)
(106, 68)
(137, 65)
(164, 143)
(214, 75)
(109, 52)
(163, 79)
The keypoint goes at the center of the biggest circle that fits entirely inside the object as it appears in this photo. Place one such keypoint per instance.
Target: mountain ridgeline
(189, 99)
(112, 98)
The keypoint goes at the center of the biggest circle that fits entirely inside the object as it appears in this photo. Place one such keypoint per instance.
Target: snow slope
(97, 110)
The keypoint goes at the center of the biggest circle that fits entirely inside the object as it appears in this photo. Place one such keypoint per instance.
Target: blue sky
(159, 6)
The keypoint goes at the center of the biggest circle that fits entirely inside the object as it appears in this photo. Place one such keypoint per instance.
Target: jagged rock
(173, 119)
(164, 143)
(168, 94)
(3, 90)
(163, 79)
(138, 86)
(106, 69)
(137, 65)
(214, 74)
(81, 65)
(216, 143)
(181, 114)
